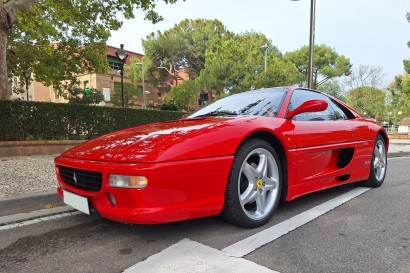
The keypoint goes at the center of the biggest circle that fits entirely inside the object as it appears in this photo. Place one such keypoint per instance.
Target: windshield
(265, 102)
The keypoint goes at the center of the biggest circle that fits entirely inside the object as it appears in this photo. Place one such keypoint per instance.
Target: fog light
(126, 181)
(112, 199)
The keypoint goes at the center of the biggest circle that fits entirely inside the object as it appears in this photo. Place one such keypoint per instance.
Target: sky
(368, 32)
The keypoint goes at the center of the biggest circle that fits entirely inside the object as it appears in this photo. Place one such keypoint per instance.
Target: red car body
(187, 162)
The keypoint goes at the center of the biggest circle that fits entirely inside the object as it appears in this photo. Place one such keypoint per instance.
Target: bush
(169, 106)
(22, 120)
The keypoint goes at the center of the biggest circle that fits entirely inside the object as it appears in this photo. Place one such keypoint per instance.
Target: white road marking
(266, 236)
(189, 256)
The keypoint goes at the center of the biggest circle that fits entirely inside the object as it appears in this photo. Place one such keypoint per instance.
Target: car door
(320, 137)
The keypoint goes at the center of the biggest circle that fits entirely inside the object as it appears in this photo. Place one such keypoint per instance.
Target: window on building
(86, 84)
(114, 62)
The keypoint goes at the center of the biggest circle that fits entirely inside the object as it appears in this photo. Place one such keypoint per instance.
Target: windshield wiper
(218, 113)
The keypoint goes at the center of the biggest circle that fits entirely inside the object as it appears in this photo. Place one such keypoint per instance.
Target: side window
(299, 96)
(341, 109)
(339, 113)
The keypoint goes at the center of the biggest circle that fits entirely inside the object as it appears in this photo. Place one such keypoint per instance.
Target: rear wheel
(254, 185)
(378, 166)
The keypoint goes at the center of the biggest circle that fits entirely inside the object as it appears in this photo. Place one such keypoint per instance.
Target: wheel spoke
(381, 151)
(263, 165)
(377, 150)
(271, 184)
(260, 203)
(377, 172)
(250, 172)
(376, 163)
(248, 196)
(382, 163)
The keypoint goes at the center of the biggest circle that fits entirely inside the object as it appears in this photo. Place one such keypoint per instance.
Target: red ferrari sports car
(236, 157)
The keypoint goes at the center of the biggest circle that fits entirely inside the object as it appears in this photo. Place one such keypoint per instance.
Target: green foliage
(328, 63)
(399, 95)
(238, 65)
(59, 39)
(184, 95)
(169, 106)
(131, 94)
(79, 96)
(333, 88)
(179, 53)
(22, 120)
(185, 45)
(369, 101)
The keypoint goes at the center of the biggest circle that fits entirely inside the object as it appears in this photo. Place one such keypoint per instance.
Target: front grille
(81, 179)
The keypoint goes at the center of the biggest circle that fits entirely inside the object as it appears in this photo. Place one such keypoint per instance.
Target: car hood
(160, 142)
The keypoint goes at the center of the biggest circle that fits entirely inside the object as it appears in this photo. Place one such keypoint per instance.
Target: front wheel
(378, 166)
(254, 185)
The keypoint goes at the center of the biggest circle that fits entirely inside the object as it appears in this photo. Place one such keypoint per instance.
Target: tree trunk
(8, 17)
(5, 89)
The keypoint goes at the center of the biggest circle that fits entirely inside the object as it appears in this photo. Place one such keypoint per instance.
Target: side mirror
(308, 106)
(184, 116)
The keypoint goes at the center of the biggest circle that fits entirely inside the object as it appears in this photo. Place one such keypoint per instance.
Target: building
(107, 82)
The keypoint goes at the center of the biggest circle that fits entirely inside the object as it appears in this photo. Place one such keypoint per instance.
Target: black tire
(254, 185)
(378, 166)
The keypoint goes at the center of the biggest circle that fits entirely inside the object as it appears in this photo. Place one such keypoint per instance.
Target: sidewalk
(399, 147)
(28, 185)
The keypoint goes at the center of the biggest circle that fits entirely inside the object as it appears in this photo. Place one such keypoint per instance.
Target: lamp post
(27, 76)
(265, 48)
(122, 56)
(311, 41)
(143, 84)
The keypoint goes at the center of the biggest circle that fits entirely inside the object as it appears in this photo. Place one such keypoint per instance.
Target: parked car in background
(236, 157)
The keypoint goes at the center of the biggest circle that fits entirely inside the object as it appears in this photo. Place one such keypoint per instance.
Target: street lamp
(27, 76)
(122, 56)
(143, 84)
(265, 48)
(311, 42)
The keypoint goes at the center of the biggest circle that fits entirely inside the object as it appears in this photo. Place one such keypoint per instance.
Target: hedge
(22, 120)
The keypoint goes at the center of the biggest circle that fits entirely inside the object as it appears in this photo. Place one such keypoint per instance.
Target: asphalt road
(369, 233)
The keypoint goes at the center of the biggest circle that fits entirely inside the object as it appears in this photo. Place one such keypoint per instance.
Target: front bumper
(176, 190)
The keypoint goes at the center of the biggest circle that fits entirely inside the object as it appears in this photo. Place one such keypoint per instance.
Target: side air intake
(345, 157)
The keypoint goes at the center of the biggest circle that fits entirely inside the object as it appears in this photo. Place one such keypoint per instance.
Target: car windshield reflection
(257, 103)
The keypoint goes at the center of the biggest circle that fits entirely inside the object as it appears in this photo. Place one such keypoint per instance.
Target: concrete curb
(25, 196)
(19, 217)
(393, 155)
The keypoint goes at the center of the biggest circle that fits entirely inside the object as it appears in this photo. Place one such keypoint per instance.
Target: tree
(59, 39)
(369, 101)
(406, 63)
(365, 75)
(184, 46)
(184, 95)
(328, 63)
(238, 65)
(399, 96)
(181, 48)
(333, 88)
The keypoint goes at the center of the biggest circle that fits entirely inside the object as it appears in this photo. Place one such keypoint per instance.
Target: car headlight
(127, 181)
